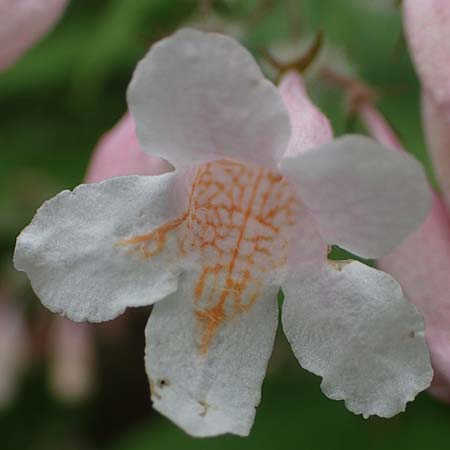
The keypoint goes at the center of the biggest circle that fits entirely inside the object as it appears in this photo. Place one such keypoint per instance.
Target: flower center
(237, 223)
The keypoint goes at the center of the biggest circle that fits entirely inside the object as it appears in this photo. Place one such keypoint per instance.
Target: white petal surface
(200, 96)
(217, 392)
(71, 250)
(365, 197)
(353, 327)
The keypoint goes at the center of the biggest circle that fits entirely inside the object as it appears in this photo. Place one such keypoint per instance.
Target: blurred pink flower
(71, 359)
(118, 153)
(22, 23)
(421, 264)
(436, 121)
(427, 28)
(14, 348)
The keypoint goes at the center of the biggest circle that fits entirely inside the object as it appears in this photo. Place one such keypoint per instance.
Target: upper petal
(365, 197)
(200, 96)
(352, 326)
(427, 27)
(72, 255)
(24, 22)
(310, 128)
(214, 391)
(118, 153)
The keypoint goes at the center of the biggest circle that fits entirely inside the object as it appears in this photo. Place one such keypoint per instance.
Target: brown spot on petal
(339, 264)
(153, 390)
(163, 382)
(205, 407)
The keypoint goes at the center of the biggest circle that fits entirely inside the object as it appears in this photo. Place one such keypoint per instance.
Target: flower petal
(24, 22)
(436, 120)
(216, 392)
(118, 153)
(72, 250)
(351, 325)
(427, 27)
(422, 267)
(200, 96)
(364, 197)
(421, 264)
(310, 128)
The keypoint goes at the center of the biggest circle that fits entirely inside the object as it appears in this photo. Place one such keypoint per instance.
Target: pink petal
(71, 371)
(310, 128)
(436, 120)
(422, 267)
(119, 153)
(22, 22)
(427, 27)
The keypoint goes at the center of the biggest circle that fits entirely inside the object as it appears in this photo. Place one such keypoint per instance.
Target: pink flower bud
(22, 23)
(119, 153)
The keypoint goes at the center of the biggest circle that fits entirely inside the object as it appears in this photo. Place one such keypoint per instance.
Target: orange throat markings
(237, 221)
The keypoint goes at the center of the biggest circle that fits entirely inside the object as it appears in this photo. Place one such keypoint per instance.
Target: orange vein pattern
(237, 220)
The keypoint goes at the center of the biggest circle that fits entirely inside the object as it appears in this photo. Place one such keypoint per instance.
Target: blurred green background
(66, 92)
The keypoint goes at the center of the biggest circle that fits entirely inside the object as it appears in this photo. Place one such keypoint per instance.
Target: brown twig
(299, 64)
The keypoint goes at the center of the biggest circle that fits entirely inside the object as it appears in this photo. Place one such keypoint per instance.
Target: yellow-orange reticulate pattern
(238, 221)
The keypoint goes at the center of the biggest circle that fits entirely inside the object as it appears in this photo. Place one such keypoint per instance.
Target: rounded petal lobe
(200, 96)
(75, 250)
(118, 154)
(351, 325)
(213, 392)
(422, 267)
(421, 264)
(310, 128)
(22, 22)
(427, 27)
(364, 197)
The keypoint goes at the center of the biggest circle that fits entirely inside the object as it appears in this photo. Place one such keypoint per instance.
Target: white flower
(249, 208)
